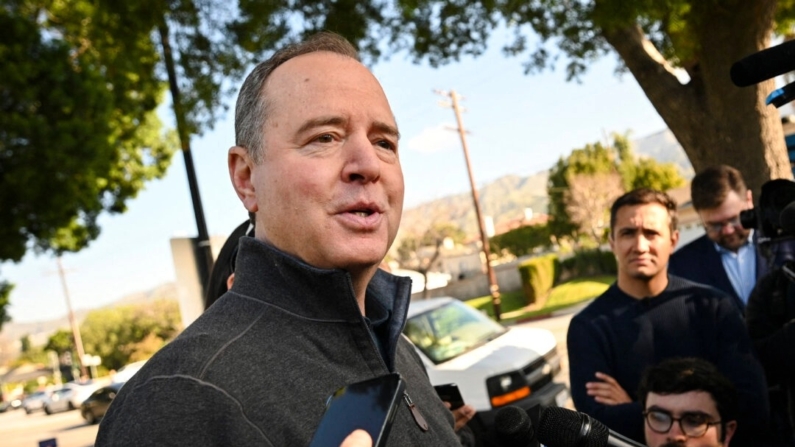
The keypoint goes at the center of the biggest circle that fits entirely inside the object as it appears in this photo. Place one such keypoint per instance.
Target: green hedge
(590, 263)
(539, 275)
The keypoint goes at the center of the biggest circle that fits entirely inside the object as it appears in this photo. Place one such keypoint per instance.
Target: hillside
(507, 197)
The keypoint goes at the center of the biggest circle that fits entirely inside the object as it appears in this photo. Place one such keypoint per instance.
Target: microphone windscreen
(513, 428)
(564, 428)
(787, 219)
(764, 65)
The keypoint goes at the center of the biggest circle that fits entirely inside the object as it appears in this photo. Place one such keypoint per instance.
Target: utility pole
(75, 329)
(203, 254)
(494, 288)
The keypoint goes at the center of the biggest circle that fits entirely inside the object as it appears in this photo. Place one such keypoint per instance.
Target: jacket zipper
(415, 412)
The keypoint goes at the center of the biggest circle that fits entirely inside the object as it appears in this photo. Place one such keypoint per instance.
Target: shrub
(589, 263)
(539, 275)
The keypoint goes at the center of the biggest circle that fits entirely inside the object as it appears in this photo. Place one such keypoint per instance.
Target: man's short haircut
(710, 187)
(682, 375)
(252, 106)
(645, 196)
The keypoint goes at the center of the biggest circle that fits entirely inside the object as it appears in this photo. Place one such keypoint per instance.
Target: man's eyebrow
(387, 129)
(320, 121)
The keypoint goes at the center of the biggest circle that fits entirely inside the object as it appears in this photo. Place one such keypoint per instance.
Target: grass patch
(570, 293)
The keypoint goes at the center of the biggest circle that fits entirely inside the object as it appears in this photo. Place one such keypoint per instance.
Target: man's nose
(675, 434)
(641, 244)
(362, 163)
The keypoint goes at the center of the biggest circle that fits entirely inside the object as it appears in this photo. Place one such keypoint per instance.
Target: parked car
(35, 401)
(126, 372)
(59, 400)
(492, 365)
(83, 389)
(94, 408)
(13, 404)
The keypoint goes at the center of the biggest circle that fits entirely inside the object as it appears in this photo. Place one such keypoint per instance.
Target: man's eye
(694, 420)
(325, 138)
(386, 144)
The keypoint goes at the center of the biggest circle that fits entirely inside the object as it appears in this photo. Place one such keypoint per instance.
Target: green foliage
(25, 344)
(78, 133)
(61, 341)
(122, 334)
(521, 241)
(5, 293)
(589, 263)
(539, 275)
(595, 159)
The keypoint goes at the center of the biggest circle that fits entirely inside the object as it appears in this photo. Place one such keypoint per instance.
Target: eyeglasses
(693, 425)
(718, 226)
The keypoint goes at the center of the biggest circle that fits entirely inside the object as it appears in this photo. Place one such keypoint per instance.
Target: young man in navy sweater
(647, 316)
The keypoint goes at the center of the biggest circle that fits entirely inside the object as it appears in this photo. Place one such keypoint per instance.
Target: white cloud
(439, 138)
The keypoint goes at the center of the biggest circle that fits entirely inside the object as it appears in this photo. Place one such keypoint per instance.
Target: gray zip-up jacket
(258, 366)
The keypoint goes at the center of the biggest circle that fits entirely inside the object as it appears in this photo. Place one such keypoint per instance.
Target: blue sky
(518, 124)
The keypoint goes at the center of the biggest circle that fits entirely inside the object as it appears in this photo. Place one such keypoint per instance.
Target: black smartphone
(449, 393)
(369, 405)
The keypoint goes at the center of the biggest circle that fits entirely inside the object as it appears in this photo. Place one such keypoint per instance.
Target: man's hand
(607, 391)
(462, 415)
(359, 438)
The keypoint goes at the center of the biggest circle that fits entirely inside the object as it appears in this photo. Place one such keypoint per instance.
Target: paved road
(18, 429)
(559, 325)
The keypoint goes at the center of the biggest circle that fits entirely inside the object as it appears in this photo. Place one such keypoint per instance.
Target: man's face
(642, 241)
(700, 412)
(723, 223)
(329, 189)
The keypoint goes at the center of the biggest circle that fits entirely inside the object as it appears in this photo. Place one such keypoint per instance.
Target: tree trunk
(715, 121)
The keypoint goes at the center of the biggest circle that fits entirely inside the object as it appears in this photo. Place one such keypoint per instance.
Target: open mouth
(362, 213)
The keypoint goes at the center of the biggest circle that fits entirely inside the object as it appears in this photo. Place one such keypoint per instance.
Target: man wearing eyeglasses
(687, 403)
(725, 257)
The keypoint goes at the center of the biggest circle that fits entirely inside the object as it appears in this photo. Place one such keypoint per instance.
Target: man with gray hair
(316, 160)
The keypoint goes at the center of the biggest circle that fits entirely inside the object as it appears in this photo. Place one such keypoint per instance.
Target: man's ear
(674, 239)
(241, 168)
(731, 427)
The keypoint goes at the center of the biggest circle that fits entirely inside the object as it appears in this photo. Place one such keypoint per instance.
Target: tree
(658, 41)
(61, 341)
(127, 333)
(71, 145)
(423, 253)
(521, 241)
(589, 199)
(594, 167)
(5, 293)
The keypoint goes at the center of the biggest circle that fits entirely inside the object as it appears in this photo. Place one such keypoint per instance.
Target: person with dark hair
(687, 402)
(647, 316)
(316, 159)
(223, 272)
(725, 257)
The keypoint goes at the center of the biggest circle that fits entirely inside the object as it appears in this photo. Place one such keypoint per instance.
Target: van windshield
(451, 330)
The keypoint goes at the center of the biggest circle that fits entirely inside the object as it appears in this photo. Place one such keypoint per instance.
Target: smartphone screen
(449, 393)
(369, 405)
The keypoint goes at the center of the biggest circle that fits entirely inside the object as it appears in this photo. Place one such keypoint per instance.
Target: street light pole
(494, 288)
(75, 329)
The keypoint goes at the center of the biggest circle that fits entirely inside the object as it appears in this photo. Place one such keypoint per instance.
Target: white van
(492, 365)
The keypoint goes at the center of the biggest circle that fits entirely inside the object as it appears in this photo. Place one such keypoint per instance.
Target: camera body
(774, 222)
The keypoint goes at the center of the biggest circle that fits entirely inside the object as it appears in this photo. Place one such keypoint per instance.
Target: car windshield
(450, 330)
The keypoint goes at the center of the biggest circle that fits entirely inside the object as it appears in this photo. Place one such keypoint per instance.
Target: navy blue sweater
(621, 336)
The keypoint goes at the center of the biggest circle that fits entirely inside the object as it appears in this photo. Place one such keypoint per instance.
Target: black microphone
(557, 427)
(764, 65)
(781, 96)
(513, 428)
